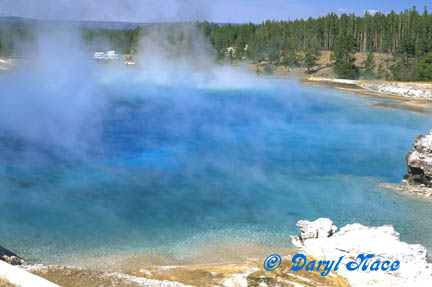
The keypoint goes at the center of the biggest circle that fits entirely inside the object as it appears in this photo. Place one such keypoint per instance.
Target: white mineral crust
(320, 240)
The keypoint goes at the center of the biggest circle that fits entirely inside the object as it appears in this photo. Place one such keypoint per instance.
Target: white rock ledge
(21, 277)
(409, 90)
(320, 240)
(412, 90)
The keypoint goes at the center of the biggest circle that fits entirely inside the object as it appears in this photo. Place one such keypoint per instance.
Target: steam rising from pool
(181, 154)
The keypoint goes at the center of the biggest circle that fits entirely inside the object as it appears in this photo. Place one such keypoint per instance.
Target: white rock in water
(424, 143)
(320, 228)
(355, 239)
(419, 161)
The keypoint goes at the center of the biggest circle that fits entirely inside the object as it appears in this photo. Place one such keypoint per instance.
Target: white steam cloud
(53, 99)
(57, 99)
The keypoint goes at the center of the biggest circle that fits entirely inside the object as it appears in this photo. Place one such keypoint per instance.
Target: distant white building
(112, 55)
(107, 56)
(99, 55)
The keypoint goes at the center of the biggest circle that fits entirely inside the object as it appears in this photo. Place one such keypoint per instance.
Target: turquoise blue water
(143, 167)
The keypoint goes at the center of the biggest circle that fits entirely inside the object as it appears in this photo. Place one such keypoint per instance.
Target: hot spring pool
(136, 167)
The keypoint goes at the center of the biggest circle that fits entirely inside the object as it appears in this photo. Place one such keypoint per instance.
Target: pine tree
(425, 68)
(370, 65)
(311, 58)
(344, 59)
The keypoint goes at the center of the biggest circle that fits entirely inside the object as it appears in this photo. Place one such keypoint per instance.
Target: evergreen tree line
(13, 39)
(377, 33)
(406, 35)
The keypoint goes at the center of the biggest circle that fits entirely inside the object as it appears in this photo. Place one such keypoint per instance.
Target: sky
(221, 11)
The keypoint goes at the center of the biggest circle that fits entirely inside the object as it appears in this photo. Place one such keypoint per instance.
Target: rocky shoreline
(418, 181)
(409, 90)
(243, 274)
(318, 240)
(376, 97)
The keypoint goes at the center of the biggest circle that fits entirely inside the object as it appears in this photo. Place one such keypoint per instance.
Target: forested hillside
(406, 35)
(377, 33)
(13, 36)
